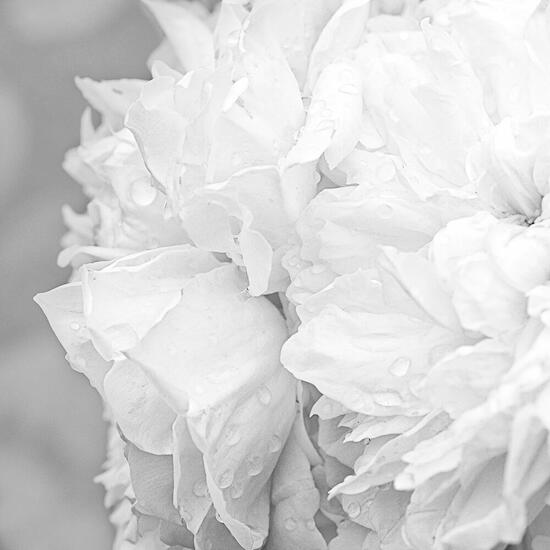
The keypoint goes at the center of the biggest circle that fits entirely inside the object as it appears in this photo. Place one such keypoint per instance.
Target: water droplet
(74, 326)
(310, 524)
(255, 465)
(290, 524)
(386, 171)
(375, 283)
(226, 479)
(388, 399)
(350, 89)
(353, 509)
(400, 366)
(264, 395)
(233, 436)
(200, 489)
(385, 211)
(233, 38)
(143, 193)
(325, 125)
(122, 337)
(237, 490)
(275, 444)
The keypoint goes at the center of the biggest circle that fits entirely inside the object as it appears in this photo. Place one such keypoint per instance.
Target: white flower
(189, 368)
(419, 340)
(312, 283)
(126, 212)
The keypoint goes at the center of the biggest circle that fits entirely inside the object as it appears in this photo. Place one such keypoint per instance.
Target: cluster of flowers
(312, 284)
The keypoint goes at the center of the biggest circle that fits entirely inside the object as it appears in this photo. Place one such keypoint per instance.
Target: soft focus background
(52, 436)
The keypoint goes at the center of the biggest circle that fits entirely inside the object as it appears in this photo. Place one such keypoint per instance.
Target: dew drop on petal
(233, 436)
(310, 524)
(400, 366)
(237, 490)
(275, 444)
(233, 38)
(200, 489)
(353, 509)
(226, 479)
(350, 89)
(375, 283)
(264, 396)
(74, 326)
(290, 524)
(143, 193)
(255, 465)
(388, 399)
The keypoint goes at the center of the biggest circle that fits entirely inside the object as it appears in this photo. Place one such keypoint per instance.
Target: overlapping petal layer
(312, 283)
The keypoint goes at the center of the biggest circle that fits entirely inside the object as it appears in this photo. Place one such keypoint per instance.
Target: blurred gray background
(52, 437)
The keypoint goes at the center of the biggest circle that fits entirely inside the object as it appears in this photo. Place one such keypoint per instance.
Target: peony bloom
(188, 365)
(312, 283)
(409, 352)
